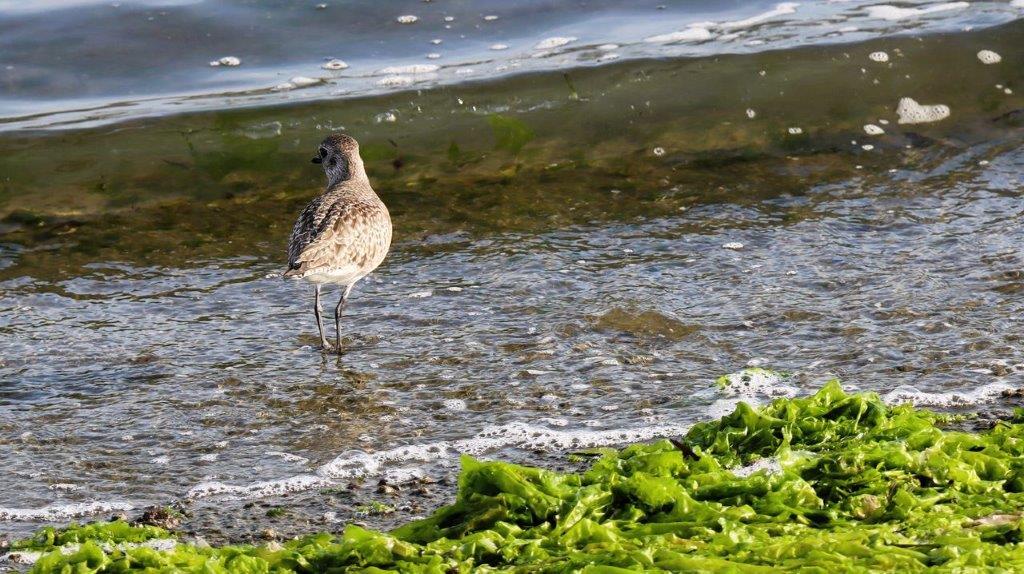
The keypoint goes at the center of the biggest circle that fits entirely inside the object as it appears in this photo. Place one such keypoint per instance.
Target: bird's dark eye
(323, 153)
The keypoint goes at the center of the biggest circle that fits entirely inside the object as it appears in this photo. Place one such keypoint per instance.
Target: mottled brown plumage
(343, 234)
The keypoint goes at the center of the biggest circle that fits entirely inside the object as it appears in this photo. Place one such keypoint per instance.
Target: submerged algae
(860, 486)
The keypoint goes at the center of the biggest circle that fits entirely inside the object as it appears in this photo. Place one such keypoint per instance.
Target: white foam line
(918, 398)
(887, 12)
(779, 10)
(361, 464)
(691, 34)
(410, 69)
(259, 489)
(392, 462)
(60, 512)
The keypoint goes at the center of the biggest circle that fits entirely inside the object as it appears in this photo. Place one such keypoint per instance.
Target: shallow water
(89, 62)
(577, 258)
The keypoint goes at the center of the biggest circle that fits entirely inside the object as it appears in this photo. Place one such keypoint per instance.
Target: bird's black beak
(317, 159)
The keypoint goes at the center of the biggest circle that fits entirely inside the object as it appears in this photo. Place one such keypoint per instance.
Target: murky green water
(577, 256)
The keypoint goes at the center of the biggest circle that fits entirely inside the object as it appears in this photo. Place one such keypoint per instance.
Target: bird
(343, 234)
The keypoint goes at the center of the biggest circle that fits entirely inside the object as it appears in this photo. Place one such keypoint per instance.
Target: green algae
(116, 531)
(834, 482)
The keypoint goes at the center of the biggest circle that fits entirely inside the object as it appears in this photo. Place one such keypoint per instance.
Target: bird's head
(339, 156)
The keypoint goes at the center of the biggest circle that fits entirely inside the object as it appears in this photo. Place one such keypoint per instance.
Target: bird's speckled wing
(311, 224)
(350, 233)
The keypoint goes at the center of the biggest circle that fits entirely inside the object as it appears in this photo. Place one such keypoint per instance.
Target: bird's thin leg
(337, 313)
(319, 320)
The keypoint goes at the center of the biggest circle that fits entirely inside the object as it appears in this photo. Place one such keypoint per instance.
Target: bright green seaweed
(857, 486)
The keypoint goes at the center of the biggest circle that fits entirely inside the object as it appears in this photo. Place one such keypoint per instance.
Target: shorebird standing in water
(343, 234)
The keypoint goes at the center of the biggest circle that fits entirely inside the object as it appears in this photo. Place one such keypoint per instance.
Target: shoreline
(757, 461)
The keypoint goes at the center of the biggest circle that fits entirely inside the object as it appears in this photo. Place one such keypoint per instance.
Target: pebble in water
(795, 131)
(911, 112)
(989, 57)
(433, 56)
(490, 18)
(873, 130)
(407, 19)
(734, 245)
(751, 113)
(878, 57)
(659, 151)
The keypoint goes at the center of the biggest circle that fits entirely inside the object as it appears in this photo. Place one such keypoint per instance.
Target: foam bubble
(62, 512)
(795, 131)
(230, 61)
(288, 456)
(767, 465)
(433, 56)
(420, 294)
(751, 113)
(911, 112)
(65, 486)
(335, 65)
(878, 57)
(608, 47)
(750, 384)
(989, 57)
(873, 130)
(888, 12)
(407, 19)
(499, 46)
(454, 404)
(490, 18)
(734, 245)
(554, 42)
(779, 10)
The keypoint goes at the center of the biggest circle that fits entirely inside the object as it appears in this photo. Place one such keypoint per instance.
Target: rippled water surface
(578, 256)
